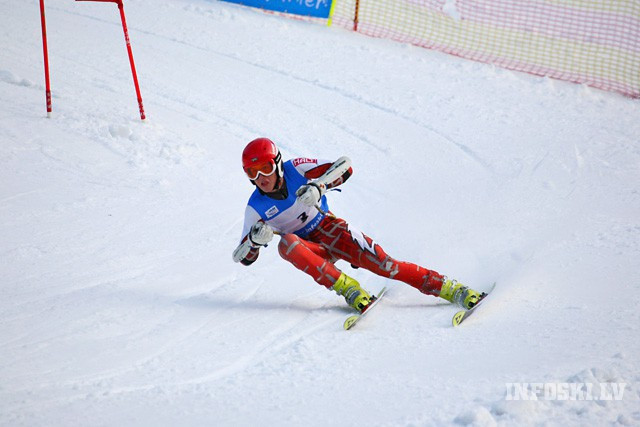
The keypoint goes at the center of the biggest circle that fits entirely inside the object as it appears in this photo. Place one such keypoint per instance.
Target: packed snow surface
(120, 303)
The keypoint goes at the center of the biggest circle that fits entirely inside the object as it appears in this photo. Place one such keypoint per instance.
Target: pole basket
(129, 51)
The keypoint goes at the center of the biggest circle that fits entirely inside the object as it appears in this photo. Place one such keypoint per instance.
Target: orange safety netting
(596, 42)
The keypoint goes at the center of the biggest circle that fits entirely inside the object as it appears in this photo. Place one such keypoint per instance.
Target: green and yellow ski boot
(350, 289)
(459, 294)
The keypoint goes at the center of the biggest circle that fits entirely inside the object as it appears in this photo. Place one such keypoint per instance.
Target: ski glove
(311, 193)
(260, 234)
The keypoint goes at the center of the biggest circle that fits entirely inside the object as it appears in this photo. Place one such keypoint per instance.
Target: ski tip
(351, 320)
(457, 318)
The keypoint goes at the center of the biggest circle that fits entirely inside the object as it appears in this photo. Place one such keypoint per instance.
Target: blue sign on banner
(315, 8)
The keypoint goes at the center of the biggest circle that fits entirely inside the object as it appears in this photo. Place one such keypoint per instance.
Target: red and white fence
(595, 42)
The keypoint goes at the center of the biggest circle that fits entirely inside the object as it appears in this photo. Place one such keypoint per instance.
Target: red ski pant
(334, 240)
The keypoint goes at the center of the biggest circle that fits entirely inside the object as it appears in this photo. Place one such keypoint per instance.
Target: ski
(461, 315)
(352, 320)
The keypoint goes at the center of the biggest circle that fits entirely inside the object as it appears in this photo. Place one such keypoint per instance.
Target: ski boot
(457, 293)
(350, 289)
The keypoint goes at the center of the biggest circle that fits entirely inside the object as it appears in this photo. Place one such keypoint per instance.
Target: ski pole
(325, 213)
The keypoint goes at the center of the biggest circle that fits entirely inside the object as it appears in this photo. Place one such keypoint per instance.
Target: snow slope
(120, 304)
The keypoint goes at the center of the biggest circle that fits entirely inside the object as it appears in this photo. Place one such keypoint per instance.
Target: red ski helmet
(261, 156)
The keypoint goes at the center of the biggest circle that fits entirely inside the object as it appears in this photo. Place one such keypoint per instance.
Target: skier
(290, 200)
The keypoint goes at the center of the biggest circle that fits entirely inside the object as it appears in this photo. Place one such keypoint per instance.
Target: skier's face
(267, 183)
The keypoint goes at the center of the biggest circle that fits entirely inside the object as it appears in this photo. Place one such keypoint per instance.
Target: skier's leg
(344, 242)
(309, 257)
(316, 261)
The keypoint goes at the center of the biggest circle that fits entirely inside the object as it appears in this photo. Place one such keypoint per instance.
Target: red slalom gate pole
(129, 51)
(46, 58)
(133, 65)
(356, 18)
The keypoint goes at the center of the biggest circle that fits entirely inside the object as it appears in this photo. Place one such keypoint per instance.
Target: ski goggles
(265, 169)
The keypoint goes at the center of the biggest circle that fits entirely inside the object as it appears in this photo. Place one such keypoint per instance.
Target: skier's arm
(314, 169)
(323, 178)
(255, 234)
(245, 253)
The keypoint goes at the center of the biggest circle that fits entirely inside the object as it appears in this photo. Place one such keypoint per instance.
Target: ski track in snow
(121, 305)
